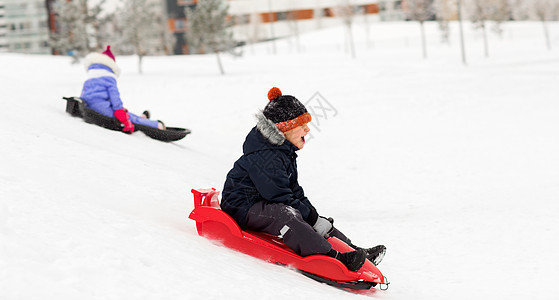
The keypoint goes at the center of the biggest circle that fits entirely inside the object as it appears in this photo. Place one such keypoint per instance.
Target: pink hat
(108, 53)
(105, 58)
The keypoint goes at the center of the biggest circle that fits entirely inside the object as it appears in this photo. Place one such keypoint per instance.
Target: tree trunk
(486, 46)
(85, 15)
(350, 40)
(367, 33)
(272, 21)
(462, 46)
(546, 34)
(219, 63)
(140, 58)
(423, 43)
(296, 34)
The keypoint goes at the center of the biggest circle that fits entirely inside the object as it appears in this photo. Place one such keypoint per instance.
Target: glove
(323, 226)
(122, 116)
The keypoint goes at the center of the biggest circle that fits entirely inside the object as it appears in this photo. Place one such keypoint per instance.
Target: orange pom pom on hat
(285, 111)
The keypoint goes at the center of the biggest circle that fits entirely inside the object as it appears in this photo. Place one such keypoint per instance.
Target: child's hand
(323, 226)
(123, 117)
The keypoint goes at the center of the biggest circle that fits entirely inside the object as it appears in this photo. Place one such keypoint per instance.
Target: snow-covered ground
(454, 168)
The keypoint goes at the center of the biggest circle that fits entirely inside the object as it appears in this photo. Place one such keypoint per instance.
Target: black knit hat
(285, 111)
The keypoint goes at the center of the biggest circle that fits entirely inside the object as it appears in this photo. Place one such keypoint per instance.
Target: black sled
(76, 107)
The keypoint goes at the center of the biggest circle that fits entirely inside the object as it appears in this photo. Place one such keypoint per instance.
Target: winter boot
(161, 125)
(353, 260)
(374, 254)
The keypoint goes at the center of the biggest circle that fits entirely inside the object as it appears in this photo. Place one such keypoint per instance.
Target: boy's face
(297, 135)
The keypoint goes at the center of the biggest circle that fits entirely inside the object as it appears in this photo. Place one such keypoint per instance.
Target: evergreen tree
(208, 29)
(76, 32)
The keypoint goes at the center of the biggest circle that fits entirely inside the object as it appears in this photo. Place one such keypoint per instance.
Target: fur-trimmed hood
(266, 136)
(269, 130)
(102, 59)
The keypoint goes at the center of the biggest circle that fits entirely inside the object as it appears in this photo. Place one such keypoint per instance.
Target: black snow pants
(286, 222)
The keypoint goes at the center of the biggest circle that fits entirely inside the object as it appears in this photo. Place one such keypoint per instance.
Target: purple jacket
(100, 92)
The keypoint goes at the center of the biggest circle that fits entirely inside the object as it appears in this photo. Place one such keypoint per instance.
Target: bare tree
(444, 12)
(479, 17)
(142, 28)
(208, 29)
(346, 11)
(365, 13)
(544, 10)
(483, 11)
(294, 28)
(420, 11)
(501, 13)
(272, 20)
(254, 30)
(460, 27)
(520, 9)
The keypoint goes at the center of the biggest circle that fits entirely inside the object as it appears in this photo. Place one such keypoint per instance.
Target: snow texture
(454, 168)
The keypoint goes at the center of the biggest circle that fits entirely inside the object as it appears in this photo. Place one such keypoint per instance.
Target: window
(242, 19)
(281, 16)
(185, 2)
(179, 24)
(382, 5)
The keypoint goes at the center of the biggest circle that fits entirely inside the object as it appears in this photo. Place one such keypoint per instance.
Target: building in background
(391, 10)
(3, 28)
(261, 20)
(23, 26)
(176, 21)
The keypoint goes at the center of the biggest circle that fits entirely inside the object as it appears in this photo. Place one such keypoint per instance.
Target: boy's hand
(323, 226)
(122, 116)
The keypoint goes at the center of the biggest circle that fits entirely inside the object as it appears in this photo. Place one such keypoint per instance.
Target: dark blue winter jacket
(267, 171)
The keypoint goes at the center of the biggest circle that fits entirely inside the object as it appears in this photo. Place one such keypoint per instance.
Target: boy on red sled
(262, 192)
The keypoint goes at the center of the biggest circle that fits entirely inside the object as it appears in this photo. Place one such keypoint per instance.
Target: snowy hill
(455, 169)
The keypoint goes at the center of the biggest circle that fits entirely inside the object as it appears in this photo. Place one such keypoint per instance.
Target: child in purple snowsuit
(100, 92)
(262, 192)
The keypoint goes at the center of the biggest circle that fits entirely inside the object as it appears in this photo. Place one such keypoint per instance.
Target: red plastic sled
(213, 223)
